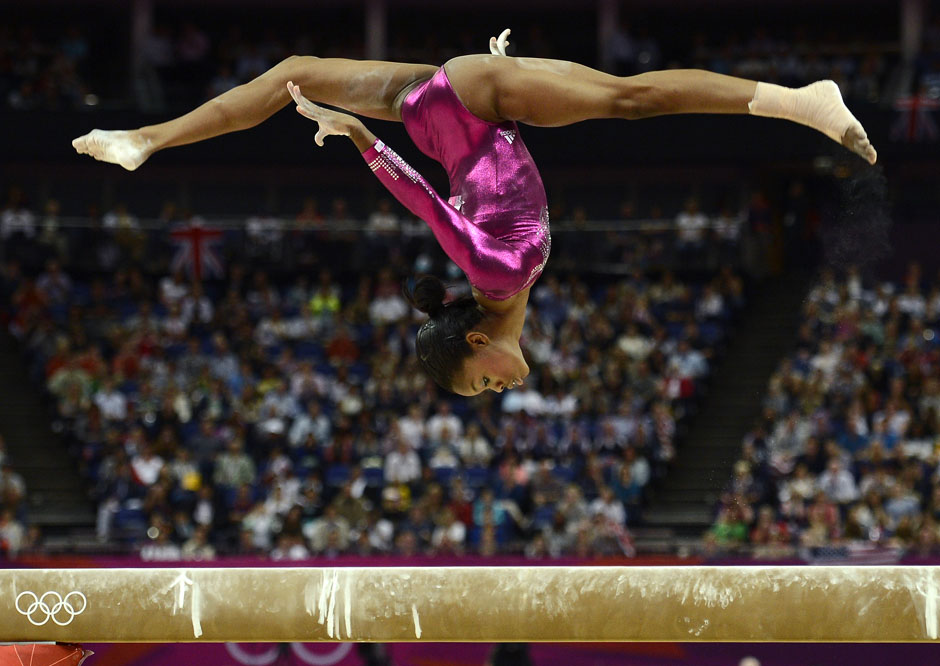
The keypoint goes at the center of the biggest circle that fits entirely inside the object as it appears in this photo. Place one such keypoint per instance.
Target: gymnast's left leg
(551, 93)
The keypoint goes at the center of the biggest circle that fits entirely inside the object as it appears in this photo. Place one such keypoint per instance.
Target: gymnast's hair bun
(426, 293)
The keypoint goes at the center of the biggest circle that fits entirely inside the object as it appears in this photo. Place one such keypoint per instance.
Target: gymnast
(464, 115)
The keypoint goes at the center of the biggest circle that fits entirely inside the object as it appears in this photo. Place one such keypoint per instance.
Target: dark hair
(441, 342)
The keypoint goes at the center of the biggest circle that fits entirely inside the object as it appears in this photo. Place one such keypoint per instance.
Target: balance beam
(485, 604)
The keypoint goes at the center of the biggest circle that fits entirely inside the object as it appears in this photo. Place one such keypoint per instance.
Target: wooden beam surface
(486, 604)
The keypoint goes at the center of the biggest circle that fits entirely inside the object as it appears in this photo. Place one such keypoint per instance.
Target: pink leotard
(495, 225)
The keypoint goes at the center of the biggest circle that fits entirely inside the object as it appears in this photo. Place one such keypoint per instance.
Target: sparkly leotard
(495, 225)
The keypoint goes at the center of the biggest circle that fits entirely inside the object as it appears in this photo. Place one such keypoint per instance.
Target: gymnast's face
(494, 365)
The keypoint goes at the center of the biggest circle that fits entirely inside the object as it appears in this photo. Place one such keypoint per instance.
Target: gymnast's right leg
(551, 93)
(365, 87)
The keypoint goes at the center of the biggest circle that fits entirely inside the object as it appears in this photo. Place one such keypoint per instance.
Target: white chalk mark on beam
(196, 604)
(414, 615)
(931, 619)
(181, 582)
(324, 591)
(330, 616)
(347, 607)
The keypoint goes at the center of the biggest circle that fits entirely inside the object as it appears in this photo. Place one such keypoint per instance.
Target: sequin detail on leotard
(545, 246)
(390, 161)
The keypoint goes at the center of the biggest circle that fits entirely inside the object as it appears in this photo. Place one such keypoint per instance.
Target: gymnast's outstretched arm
(496, 268)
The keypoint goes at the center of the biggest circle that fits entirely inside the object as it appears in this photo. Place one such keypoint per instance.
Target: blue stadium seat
(477, 477)
(308, 350)
(445, 475)
(337, 475)
(129, 524)
(543, 516)
(374, 476)
(565, 473)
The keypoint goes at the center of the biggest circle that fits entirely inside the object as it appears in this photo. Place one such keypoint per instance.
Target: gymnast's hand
(329, 122)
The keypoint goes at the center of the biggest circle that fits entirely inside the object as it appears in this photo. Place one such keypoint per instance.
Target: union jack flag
(915, 119)
(194, 250)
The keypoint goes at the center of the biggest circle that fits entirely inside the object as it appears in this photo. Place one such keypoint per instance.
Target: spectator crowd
(14, 536)
(182, 59)
(289, 417)
(845, 456)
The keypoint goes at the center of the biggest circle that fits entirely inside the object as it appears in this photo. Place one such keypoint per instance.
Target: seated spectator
(628, 492)
(838, 484)
(13, 536)
(443, 418)
(692, 226)
(12, 486)
(294, 549)
(330, 529)
(609, 506)
(146, 466)
(234, 468)
(474, 448)
(768, 530)
(402, 465)
(111, 402)
(731, 527)
(197, 547)
(160, 548)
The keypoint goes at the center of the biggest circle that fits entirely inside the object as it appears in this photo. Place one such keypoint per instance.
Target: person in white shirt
(444, 455)
(111, 402)
(161, 549)
(412, 428)
(196, 306)
(634, 344)
(16, 218)
(728, 226)
(692, 225)
(450, 535)
(174, 324)
(827, 358)
(388, 306)
(120, 219)
(278, 408)
(710, 305)
(147, 466)
(12, 534)
(173, 288)
(383, 220)
(402, 465)
(687, 362)
(474, 448)
(609, 506)
(312, 422)
(442, 419)
(838, 483)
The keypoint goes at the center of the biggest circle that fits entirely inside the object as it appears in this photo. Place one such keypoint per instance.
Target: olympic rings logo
(51, 606)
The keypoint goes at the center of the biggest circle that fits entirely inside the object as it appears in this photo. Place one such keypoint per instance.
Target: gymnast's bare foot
(125, 147)
(857, 141)
(837, 121)
(818, 105)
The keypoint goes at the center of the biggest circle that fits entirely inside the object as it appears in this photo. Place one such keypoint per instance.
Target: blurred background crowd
(182, 57)
(845, 453)
(251, 414)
